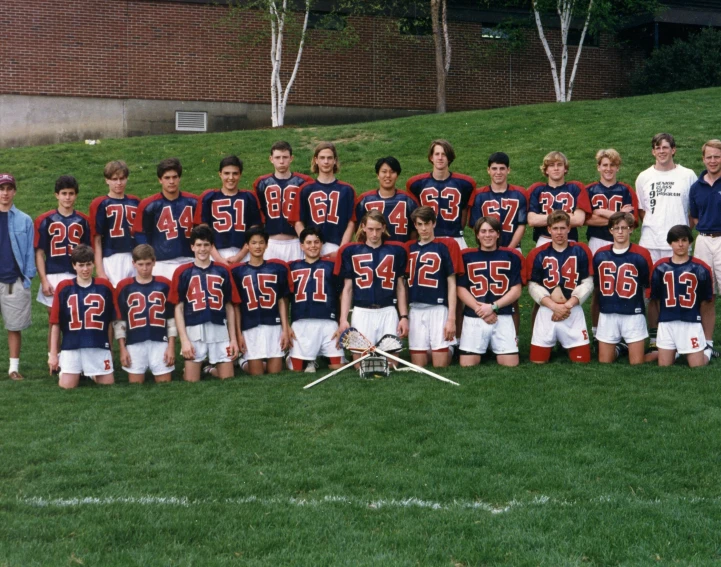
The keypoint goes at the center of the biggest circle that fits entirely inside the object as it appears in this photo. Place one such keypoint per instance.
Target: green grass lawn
(559, 465)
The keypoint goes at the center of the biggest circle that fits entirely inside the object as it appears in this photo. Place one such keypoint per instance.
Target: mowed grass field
(558, 465)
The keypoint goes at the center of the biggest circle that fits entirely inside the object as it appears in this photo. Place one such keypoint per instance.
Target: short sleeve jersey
(260, 288)
(166, 225)
(448, 198)
(57, 236)
(374, 271)
(550, 268)
(145, 308)
(316, 290)
(621, 279)
(326, 206)
(83, 313)
(112, 220)
(277, 199)
(509, 207)
(489, 275)
(680, 289)
(544, 199)
(429, 266)
(396, 210)
(705, 204)
(612, 199)
(204, 293)
(228, 215)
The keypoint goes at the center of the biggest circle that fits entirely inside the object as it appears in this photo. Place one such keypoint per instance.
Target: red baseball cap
(6, 178)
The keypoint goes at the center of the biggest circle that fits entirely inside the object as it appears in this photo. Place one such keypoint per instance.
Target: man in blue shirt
(17, 268)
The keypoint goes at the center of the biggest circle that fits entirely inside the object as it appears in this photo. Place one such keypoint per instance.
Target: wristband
(403, 317)
(494, 306)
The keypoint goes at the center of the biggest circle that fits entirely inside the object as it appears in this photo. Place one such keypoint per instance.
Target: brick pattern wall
(184, 51)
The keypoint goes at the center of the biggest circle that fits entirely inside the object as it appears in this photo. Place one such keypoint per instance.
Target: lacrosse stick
(354, 341)
(391, 343)
(338, 370)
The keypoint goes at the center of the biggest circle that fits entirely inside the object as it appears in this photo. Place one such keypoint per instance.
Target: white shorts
(425, 327)
(328, 248)
(88, 361)
(683, 337)
(262, 342)
(595, 244)
(286, 250)
(148, 355)
(314, 337)
(118, 267)
(461, 242)
(477, 335)
(210, 340)
(570, 333)
(54, 280)
(232, 251)
(375, 323)
(166, 268)
(708, 250)
(15, 305)
(612, 327)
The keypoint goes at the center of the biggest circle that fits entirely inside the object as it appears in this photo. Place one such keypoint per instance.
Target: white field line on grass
(328, 500)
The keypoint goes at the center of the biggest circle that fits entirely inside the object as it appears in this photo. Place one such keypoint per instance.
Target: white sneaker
(311, 367)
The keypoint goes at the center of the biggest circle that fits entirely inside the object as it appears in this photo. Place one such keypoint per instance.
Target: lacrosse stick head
(374, 367)
(390, 343)
(353, 340)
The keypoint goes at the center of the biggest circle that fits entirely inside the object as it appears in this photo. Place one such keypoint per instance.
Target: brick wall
(185, 51)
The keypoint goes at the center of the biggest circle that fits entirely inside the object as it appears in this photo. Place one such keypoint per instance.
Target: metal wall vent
(191, 121)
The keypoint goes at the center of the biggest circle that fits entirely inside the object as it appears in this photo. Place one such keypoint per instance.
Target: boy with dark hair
(447, 193)
(262, 316)
(276, 194)
(313, 306)
(203, 294)
(432, 267)
(229, 212)
(57, 233)
(165, 220)
(145, 324)
(111, 221)
(682, 287)
(395, 205)
(82, 312)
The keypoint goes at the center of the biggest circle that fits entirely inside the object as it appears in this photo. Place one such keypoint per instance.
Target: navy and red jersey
(610, 198)
(550, 268)
(489, 275)
(58, 235)
(621, 279)
(277, 198)
(326, 206)
(203, 292)
(228, 215)
(448, 198)
(260, 288)
(166, 225)
(680, 289)
(83, 313)
(112, 220)
(145, 308)
(396, 210)
(429, 266)
(509, 207)
(374, 271)
(316, 290)
(544, 199)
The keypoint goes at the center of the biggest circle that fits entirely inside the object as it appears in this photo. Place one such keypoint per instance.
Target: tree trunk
(440, 40)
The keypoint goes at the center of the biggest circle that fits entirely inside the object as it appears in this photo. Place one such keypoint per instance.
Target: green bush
(685, 65)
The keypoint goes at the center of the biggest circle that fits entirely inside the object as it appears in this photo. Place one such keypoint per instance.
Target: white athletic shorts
(570, 333)
(461, 242)
(15, 305)
(118, 267)
(314, 337)
(683, 337)
(612, 327)
(54, 280)
(232, 251)
(210, 340)
(328, 248)
(375, 323)
(286, 250)
(708, 250)
(88, 361)
(595, 244)
(166, 268)
(148, 355)
(477, 335)
(262, 342)
(425, 327)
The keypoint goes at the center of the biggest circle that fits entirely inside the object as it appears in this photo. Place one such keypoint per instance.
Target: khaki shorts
(15, 303)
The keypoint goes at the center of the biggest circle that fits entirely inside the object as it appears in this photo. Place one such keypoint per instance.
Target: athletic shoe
(15, 375)
(311, 367)
(621, 349)
(711, 353)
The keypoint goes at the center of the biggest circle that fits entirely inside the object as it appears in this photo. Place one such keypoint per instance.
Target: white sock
(593, 330)
(14, 365)
(709, 343)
